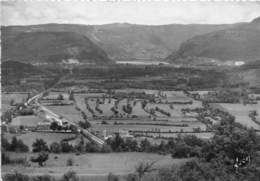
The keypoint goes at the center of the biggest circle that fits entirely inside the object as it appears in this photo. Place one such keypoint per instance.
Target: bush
(42, 178)
(17, 161)
(70, 162)
(60, 97)
(84, 124)
(92, 147)
(106, 149)
(103, 122)
(54, 126)
(131, 177)
(4, 158)
(5, 144)
(15, 177)
(70, 176)
(181, 151)
(112, 177)
(66, 147)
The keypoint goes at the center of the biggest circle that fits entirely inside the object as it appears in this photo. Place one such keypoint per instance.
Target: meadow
(28, 121)
(240, 112)
(7, 98)
(91, 164)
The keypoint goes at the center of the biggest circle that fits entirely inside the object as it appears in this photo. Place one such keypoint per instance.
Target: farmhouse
(122, 133)
(44, 125)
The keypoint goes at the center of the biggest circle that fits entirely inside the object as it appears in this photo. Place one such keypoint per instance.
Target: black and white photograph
(130, 90)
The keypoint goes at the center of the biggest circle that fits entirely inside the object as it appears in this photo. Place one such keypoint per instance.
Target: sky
(22, 12)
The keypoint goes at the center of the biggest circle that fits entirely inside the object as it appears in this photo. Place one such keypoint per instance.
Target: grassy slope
(93, 164)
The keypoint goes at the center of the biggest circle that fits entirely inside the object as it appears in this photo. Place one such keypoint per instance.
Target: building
(44, 125)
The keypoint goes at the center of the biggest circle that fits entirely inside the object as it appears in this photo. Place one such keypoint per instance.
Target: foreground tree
(40, 145)
(40, 159)
(142, 168)
(231, 155)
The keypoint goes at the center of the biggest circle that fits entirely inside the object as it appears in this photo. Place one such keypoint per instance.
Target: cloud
(80, 12)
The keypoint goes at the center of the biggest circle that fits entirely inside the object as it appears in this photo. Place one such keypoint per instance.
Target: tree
(40, 159)
(142, 168)
(7, 116)
(13, 144)
(43, 178)
(162, 147)
(71, 95)
(54, 125)
(15, 177)
(60, 97)
(21, 147)
(5, 145)
(92, 147)
(70, 176)
(70, 162)
(17, 145)
(40, 145)
(181, 151)
(5, 159)
(106, 149)
(112, 177)
(12, 102)
(55, 147)
(117, 144)
(232, 141)
(145, 145)
(84, 124)
(26, 111)
(66, 147)
(131, 177)
(131, 145)
(80, 147)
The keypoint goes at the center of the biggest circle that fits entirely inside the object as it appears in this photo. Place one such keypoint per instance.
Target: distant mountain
(240, 43)
(119, 41)
(35, 47)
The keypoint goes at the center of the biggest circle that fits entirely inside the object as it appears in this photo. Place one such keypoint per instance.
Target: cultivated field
(68, 112)
(241, 112)
(137, 127)
(140, 118)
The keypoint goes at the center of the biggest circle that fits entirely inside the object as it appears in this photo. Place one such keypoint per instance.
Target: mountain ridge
(240, 43)
(34, 47)
(126, 41)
